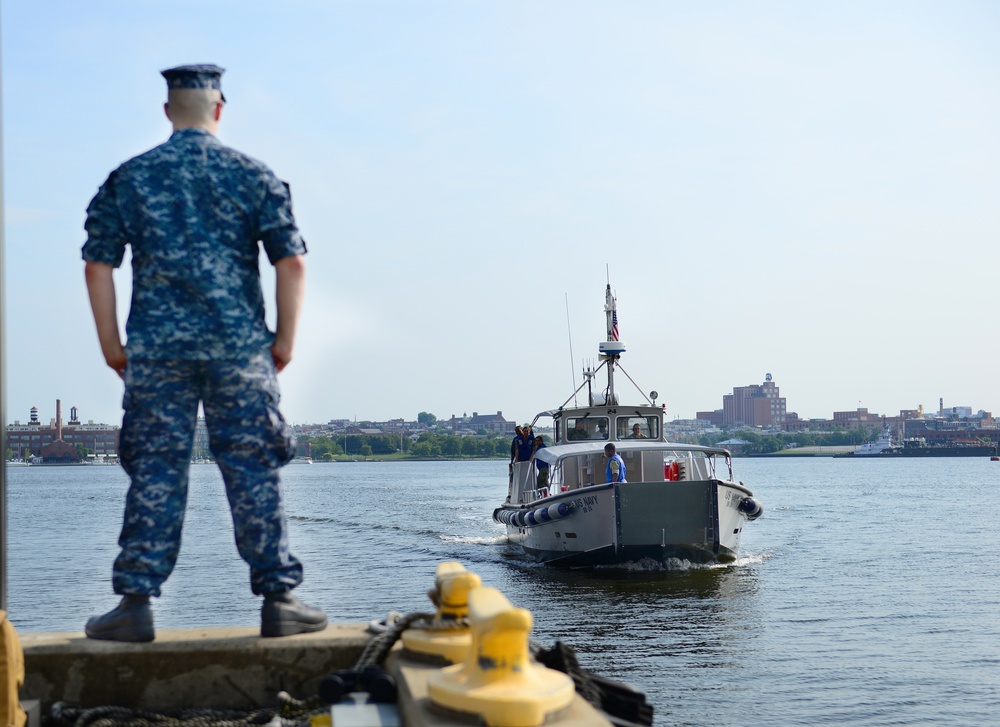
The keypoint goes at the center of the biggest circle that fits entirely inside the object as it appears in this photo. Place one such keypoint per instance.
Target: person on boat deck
(513, 453)
(513, 442)
(615, 470)
(578, 432)
(602, 429)
(195, 213)
(636, 433)
(542, 479)
(524, 444)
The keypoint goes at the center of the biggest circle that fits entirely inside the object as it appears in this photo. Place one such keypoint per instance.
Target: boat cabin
(611, 423)
(576, 465)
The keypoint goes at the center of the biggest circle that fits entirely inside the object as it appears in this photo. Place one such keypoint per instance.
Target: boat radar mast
(611, 349)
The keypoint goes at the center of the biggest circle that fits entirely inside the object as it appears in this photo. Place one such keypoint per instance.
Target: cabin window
(581, 429)
(639, 427)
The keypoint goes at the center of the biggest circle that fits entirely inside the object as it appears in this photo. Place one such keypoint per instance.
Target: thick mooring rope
(291, 712)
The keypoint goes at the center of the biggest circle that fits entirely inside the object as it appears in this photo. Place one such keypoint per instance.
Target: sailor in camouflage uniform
(194, 211)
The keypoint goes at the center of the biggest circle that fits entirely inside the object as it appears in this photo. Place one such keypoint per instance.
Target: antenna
(569, 333)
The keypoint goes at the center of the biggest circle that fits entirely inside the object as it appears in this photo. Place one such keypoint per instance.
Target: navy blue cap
(200, 75)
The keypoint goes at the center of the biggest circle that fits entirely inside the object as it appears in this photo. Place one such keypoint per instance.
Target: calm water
(866, 595)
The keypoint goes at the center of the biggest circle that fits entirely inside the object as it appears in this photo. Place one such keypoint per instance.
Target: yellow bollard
(446, 639)
(497, 681)
(11, 674)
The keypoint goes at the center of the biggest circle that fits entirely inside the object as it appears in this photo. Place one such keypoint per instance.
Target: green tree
(383, 444)
(425, 449)
(426, 419)
(324, 449)
(492, 447)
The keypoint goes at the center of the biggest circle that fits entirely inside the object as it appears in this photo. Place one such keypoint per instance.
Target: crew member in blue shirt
(615, 470)
(524, 444)
(194, 213)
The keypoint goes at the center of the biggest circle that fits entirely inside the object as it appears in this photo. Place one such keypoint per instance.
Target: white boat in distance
(675, 504)
(872, 449)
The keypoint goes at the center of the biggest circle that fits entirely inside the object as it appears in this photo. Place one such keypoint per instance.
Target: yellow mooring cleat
(448, 637)
(497, 681)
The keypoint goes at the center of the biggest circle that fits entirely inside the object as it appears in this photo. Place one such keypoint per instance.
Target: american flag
(614, 325)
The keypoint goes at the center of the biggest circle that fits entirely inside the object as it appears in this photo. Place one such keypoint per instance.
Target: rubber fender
(559, 510)
(751, 508)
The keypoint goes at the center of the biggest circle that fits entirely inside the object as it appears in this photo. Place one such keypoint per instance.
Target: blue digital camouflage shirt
(193, 211)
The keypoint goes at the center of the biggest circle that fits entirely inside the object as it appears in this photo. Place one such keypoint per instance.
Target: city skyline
(796, 188)
(967, 409)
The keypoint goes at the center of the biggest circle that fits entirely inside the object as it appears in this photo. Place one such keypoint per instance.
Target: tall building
(755, 406)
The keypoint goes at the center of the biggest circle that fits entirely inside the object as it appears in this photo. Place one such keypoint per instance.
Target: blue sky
(801, 188)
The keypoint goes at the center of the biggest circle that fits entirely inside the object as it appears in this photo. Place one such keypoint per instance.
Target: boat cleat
(497, 682)
(447, 637)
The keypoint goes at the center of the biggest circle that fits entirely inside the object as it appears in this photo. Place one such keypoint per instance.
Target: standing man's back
(194, 212)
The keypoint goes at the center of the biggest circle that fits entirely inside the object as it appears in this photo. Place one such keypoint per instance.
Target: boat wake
(671, 565)
(481, 540)
(652, 565)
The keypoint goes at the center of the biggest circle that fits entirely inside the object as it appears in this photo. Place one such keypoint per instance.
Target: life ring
(671, 472)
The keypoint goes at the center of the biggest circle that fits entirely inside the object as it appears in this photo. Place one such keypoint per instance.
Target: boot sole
(124, 635)
(289, 628)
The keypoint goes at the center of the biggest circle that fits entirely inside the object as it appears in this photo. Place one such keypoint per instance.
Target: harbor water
(867, 594)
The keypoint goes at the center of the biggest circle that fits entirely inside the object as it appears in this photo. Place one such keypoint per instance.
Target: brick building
(58, 441)
(757, 405)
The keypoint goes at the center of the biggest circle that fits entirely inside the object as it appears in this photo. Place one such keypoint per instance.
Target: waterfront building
(956, 433)
(57, 442)
(491, 423)
(713, 418)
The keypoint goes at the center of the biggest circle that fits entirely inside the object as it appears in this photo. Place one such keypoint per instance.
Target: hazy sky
(802, 188)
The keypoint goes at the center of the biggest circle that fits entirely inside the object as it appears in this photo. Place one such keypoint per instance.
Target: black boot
(130, 620)
(284, 615)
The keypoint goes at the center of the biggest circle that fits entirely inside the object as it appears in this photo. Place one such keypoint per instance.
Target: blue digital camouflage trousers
(250, 441)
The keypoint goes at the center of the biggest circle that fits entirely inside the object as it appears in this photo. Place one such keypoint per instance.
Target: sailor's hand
(115, 358)
(281, 354)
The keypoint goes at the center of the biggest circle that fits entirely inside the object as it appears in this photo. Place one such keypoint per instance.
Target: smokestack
(59, 420)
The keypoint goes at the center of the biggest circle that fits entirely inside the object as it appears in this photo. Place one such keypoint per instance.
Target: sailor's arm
(290, 281)
(101, 289)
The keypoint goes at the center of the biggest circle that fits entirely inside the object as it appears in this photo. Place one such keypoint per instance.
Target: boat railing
(536, 494)
(525, 477)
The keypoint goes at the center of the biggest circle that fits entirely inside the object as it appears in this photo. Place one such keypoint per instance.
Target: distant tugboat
(873, 449)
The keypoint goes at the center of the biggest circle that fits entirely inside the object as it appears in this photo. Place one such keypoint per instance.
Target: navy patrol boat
(680, 501)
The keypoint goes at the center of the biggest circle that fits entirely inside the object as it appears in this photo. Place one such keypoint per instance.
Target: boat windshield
(580, 429)
(638, 427)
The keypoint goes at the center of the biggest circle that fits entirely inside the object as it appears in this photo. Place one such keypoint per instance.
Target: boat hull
(698, 521)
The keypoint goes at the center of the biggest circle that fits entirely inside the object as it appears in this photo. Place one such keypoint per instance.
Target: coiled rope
(291, 712)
